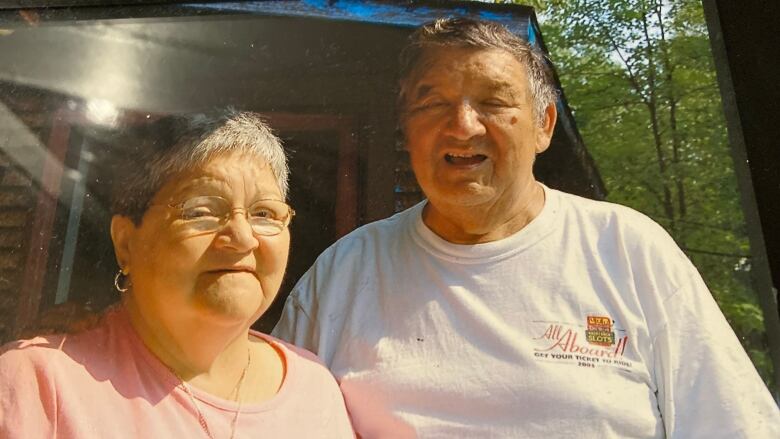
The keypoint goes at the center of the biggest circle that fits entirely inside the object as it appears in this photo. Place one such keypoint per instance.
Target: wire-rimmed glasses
(267, 217)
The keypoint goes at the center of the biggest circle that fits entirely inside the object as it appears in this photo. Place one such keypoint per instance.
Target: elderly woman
(200, 232)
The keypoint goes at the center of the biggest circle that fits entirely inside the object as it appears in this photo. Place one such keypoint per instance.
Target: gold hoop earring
(118, 279)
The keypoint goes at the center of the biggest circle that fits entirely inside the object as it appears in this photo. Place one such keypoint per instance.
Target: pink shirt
(105, 383)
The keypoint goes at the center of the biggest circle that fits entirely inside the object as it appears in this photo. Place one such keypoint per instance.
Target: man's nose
(237, 233)
(465, 122)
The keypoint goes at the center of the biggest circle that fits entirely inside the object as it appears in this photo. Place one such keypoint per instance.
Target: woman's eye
(198, 212)
(263, 214)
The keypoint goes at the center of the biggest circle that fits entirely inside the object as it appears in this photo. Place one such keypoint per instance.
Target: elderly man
(503, 308)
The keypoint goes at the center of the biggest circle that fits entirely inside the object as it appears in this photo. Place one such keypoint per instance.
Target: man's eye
(494, 103)
(429, 105)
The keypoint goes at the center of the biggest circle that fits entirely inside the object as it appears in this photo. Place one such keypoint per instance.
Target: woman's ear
(122, 231)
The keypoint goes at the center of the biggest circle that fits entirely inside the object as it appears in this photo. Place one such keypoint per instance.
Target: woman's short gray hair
(469, 33)
(175, 144)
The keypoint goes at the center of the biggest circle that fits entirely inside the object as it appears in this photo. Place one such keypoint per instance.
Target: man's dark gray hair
(161, 150)
(469, 33)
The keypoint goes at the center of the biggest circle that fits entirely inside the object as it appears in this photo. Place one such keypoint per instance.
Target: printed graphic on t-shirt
(595, 342)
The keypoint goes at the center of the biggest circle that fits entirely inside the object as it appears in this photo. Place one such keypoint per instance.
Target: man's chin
(470, 194)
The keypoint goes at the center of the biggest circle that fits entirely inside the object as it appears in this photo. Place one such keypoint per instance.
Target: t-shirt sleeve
(337, 422)
(707, 386)
(319, 388)
(28, 401)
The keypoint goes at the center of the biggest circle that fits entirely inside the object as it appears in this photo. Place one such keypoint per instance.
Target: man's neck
(487, 223)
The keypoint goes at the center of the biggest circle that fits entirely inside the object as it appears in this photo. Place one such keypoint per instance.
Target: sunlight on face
(470, 127)
(230, 274)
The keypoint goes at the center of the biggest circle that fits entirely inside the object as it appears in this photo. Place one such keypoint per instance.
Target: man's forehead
(442, 64)
(440, 57)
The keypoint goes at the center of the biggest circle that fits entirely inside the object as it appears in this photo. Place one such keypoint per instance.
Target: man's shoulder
(369, 235)
(598, 208)
(623, 229)
(341, 270)
(606, 215)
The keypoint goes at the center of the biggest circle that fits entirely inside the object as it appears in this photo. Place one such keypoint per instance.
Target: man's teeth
(464, 159)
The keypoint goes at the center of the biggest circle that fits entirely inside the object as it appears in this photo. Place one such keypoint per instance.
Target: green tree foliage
(640, 79)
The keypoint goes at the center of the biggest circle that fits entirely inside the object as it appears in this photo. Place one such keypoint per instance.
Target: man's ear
(122, 231)
(545, 130)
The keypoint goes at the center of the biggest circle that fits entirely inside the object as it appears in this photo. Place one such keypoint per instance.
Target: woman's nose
(237, 233)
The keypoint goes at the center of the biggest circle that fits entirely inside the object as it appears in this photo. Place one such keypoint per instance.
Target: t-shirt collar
(526, 237)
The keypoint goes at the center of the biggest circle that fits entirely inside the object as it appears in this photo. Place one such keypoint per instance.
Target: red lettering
(551, 333)
(567, 342)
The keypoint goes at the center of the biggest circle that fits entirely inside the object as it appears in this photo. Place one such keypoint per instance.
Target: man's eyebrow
(501, 86)
(505, 87)
(422, 90)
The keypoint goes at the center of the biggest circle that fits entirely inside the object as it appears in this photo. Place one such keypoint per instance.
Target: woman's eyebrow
(206, 182)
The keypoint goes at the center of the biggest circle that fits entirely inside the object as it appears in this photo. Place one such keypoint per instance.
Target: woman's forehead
(225, 175)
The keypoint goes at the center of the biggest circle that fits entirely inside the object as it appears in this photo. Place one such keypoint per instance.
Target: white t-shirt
(589, 322)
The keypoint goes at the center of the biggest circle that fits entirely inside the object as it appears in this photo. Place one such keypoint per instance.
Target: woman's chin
(232, 297)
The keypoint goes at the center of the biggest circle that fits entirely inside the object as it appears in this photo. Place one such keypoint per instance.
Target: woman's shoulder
(39, 348)
(310, 392)
(292, 352)
(306, 379)
(23, 362)
(45, 351)
(301, 364)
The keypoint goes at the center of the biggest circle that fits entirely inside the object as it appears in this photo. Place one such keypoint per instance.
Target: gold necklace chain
(237, 390)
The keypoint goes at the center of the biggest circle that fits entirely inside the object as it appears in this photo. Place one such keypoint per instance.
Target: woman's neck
(210, 357)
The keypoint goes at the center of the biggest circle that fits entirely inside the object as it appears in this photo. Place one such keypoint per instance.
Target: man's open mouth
(465, 159)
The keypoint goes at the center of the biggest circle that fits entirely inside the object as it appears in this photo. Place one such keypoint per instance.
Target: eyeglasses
(211, 213)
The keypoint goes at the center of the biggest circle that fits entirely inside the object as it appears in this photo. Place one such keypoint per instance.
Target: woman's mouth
(232, 270)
